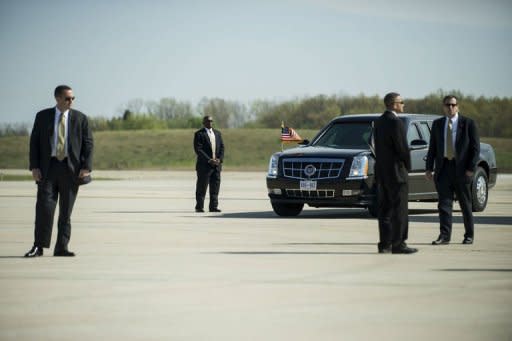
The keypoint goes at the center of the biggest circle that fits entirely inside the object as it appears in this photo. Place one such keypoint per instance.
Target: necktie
(61, 139)
(449, 140)
(211, 135)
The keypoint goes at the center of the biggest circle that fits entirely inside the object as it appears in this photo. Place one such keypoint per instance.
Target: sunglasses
(401, 102)
(69, 99)
(450, 105)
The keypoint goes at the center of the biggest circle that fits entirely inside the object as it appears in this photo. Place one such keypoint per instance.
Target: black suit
(59, 178)
(393, 162)
(450, 176)
(208, 174)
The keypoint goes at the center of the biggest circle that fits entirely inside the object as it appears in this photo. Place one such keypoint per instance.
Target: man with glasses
(61, 148)
(209, 149)
(453, 154)
(392, 163)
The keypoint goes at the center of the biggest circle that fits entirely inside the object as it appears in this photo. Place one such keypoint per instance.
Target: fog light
(350, 192)
(276, 191)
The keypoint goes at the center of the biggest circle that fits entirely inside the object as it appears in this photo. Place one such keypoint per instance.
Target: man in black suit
(209, 149)
(454, 150)
(392, 164)
(61, 147)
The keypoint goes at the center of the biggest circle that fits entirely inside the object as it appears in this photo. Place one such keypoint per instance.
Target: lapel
(460, 129)
(208, 137)
(71, 125)
(442, 132)
(51, 125)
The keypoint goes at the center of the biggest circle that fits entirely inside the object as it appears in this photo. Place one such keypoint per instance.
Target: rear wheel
(287, 210)
(480, 190)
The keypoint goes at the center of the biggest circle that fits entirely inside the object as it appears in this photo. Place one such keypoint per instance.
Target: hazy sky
(115, 51)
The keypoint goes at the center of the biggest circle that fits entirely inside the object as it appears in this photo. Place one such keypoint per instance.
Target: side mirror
(418, 144)
(304, 142)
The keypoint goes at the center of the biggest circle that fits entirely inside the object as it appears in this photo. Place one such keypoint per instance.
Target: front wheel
(287, 210)
(479, 190)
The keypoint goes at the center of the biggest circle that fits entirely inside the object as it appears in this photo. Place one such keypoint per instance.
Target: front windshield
(346, 135)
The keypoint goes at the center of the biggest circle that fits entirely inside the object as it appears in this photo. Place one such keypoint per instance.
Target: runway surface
(149, 268)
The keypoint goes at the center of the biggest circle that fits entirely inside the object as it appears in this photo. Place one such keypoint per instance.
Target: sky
(112, 52)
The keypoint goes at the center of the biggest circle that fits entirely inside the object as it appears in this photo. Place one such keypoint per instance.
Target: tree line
(493, 114)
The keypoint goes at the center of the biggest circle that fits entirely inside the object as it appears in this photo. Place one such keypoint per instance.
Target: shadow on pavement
(480, 220)
(293, 253)
(475, 270)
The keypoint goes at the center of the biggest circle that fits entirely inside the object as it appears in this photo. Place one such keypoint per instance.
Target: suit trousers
(393, 214)
(59, 185)
(207, 177)
(448, 183)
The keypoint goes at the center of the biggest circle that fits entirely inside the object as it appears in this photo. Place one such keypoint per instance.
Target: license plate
(308, 185)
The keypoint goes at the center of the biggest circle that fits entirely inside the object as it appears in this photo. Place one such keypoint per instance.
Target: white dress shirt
(455, 122)
(56, 132)
(211, 135)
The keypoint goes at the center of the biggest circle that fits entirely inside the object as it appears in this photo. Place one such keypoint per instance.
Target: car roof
(374, 116)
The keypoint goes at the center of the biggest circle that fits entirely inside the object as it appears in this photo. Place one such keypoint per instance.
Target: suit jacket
(467, 146)
(79, 143)
(203, 148)
(393, 160)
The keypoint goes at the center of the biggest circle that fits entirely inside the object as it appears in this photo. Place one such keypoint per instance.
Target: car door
(425, 188)
(417, 173)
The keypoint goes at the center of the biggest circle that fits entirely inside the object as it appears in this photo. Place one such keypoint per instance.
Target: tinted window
(412, 133)
(346, 135)
(425, 131)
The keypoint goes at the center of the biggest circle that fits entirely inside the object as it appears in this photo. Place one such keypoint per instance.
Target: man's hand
(36, 174)
(84, 173)
(469, 174)
(428, 175)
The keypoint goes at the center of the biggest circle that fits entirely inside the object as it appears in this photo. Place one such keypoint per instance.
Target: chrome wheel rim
(481, 190)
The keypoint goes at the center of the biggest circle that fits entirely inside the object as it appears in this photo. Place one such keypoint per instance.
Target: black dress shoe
(35, 251)
(467, 240)
(215, 210)
(441, 241)
(385, 249)
(63, 253)
(404, 250)
(199, 210)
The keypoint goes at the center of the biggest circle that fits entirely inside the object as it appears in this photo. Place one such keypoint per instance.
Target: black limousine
(335, 169)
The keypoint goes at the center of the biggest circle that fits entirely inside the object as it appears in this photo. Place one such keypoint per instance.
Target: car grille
(322, 193)
(325, 168)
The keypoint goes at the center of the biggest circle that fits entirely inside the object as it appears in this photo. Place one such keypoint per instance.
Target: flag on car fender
(289, 134)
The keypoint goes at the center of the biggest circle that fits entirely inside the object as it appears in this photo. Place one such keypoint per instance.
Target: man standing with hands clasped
(61, 147)
(209, 149)
(454, 150)
(392, 164)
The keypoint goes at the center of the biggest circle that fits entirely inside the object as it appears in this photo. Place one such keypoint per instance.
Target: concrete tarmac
(149, 268)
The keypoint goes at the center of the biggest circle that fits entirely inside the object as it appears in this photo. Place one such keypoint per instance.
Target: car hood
(315, 152)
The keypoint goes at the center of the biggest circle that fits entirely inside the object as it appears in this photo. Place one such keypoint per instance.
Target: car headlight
(359, 168)
(272, 166)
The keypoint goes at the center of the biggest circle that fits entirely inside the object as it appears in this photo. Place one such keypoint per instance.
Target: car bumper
(337, 193)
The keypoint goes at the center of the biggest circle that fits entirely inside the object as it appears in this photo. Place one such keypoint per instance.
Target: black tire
(480, 190)
(287, 210)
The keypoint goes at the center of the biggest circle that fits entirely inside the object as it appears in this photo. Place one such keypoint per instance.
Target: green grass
(503, 149)
(246, 149)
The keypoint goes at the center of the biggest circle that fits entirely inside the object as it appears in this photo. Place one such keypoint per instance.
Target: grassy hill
(246, 149)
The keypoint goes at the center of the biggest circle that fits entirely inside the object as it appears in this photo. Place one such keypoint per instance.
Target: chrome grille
(321, 193)
(325, 168)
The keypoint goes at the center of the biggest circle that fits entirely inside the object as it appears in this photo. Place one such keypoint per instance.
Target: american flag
(289, 135)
